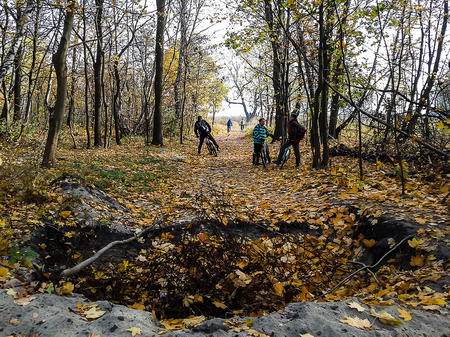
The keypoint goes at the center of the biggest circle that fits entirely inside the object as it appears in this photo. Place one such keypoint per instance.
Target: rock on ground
(50, 316)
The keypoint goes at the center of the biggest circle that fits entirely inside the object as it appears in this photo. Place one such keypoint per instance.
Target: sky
(224, 56)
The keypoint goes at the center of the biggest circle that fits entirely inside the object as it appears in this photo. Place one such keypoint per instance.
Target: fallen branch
(151, 230)
(368, 268)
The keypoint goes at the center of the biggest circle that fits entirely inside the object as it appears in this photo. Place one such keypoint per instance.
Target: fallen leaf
(137, 306)
(11, 292)
(385, 317)
(24, 301)
(369, 243)
(94, 313)
(357, 322)
(65, 214)
(417, 261)
(134, 331)
(406, 315)
(193, 321)
(279, 288)
(306, 335)
(67, 288)
(416, 243)
(14, 321)
(4, 272)
(219, 305)
(357, 306)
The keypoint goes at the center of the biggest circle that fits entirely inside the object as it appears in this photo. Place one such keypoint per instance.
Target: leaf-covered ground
(241, 258)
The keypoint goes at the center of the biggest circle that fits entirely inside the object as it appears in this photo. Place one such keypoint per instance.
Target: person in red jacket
(296, 133)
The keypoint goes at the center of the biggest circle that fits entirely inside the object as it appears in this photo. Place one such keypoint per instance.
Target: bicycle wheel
(211, 148)
(208, 145)
(285, 157)
(265, 156)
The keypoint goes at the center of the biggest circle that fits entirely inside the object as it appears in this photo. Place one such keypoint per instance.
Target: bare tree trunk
(16, 43)
(57, 113)
(98, 65)
(33, 63)
(17, 116)
(425, 96)
(277, 67)
(159, 70)
(181, 59)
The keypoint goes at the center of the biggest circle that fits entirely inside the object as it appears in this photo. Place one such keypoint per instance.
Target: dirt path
(295, 194)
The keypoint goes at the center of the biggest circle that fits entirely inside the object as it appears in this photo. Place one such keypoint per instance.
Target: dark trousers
(295, 146)
(202, 139)
(257, 148)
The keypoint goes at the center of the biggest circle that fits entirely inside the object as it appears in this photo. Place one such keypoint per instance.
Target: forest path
(254, 193)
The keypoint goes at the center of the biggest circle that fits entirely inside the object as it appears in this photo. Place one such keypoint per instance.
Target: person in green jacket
(260, 133)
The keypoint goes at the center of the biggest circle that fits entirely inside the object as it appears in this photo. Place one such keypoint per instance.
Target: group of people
(230, 125)
(296, 133)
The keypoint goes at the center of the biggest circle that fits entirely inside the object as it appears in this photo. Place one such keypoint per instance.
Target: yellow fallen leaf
(357, 306)
(134, 331)
(406, 315)
(420, 221)
(219, 305)
(417, 261)
(4, 272)
(94, 313)
(193, 321)
(385, 317)
(306, 335)
(432, 307)
(69, 234)
(416, 243)
(369, 243)
(65, 214)
(67, 288)
(137, 306)
(357, 322)
(279, 288)
(24, 301)
(172, 324)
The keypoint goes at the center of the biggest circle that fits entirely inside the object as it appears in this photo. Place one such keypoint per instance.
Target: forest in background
(103, 193)
(108, 69)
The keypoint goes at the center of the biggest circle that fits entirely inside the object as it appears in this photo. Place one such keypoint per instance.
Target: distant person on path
(229, 125)
(242, 124)
(202, 130)
(296, 133)
(260, 133)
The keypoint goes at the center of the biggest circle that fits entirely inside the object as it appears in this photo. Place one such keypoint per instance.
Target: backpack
(301, 132)
(202, 127)
(296, 130)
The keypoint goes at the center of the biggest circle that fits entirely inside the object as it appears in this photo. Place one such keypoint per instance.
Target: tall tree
(57, 112)
(157, 138)
(98, 66)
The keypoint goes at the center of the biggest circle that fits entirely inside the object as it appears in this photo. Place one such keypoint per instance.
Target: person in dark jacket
(260, 133)
(296, 133)
(202, 130)
(229, 125)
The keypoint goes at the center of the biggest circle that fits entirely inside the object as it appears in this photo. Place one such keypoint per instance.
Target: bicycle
(265, 155)
(285, 157)
(212, 149)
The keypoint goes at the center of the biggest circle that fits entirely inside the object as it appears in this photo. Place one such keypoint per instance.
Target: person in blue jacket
(260, 133)
(229, 125)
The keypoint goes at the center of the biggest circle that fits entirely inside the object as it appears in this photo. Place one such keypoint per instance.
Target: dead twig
(155, 229)
(368, 268)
